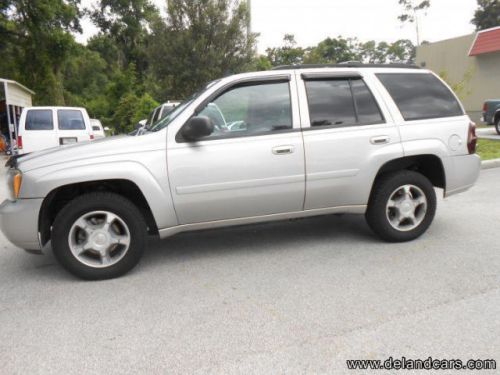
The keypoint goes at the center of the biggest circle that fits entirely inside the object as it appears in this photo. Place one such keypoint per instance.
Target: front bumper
(19, 222)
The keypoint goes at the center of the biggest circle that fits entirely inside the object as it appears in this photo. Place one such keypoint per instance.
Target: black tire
(376, 215)
(497, 125)
(99, 201)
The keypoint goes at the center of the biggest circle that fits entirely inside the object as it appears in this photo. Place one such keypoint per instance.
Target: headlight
(14, 180)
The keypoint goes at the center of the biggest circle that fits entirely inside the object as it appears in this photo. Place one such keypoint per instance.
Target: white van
(46, 127)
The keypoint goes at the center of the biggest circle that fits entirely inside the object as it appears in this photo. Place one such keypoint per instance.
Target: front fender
(153, 182)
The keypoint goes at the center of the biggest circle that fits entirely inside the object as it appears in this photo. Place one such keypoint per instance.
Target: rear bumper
(462, 173)
(19, 222)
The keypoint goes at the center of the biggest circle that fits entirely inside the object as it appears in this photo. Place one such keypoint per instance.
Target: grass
(488, 149)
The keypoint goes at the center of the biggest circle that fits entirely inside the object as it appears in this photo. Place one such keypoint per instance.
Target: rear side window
(70, 119)
(39, 119)
(420, 96)
(341, 102)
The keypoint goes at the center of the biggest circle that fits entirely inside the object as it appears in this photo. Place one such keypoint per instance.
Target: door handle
(282, 150)
(380, 140)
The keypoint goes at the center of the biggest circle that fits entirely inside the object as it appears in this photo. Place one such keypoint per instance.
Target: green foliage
(144, 106)
(200, 40)
(334, 50)
(337, 50)
(487, 14)
(288, 54)
(36, 36)
(461, 87)
(124, 113)
(124, 25)
(130, 110)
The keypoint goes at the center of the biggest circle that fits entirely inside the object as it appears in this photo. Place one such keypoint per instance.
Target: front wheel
(402, 206)
(497, 125)
(99, 236)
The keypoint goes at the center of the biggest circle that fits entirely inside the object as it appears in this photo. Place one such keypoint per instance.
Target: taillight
(485, 107)
(19, 142)
(472, 138)
(91, 136)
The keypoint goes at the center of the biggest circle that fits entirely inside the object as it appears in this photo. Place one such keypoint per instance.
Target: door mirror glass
(197, 127)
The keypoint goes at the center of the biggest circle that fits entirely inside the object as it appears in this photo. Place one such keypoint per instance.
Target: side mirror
(197, 127)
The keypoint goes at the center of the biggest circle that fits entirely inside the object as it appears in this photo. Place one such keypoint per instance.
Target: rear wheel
(497, 125)
(402, 206)
(99, 236)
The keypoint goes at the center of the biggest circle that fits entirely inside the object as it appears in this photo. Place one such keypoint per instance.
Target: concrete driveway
(296, 297)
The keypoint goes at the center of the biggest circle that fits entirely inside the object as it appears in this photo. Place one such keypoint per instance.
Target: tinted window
(366, 106)
(70, 119)
(39, 120)
(341, 102)
(96, 128)
(420, 96)
(330, 103)
(251, 110)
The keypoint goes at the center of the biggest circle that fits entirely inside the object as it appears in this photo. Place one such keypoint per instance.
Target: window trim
(39, 110)
(422, 118)
(320, 76)
(349, 79)
(283, 78)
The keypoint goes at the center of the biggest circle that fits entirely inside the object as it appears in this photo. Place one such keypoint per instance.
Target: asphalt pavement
(296, 297)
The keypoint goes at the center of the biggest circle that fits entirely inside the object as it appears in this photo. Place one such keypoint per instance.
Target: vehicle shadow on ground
(267, 237)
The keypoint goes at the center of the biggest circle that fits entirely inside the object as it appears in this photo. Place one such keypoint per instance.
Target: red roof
(486, 41)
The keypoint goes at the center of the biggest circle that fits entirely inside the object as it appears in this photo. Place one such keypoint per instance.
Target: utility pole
(249, 21)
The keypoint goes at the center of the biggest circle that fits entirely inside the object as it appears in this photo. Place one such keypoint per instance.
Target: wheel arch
(429, 165)
(62, 195)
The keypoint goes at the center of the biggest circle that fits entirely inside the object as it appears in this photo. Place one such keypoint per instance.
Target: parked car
(372, 140)
(46, 127)
(97, 128)
(491, 113)
(161, 112)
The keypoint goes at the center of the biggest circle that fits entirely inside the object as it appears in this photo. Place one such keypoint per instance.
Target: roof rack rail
(347, 64)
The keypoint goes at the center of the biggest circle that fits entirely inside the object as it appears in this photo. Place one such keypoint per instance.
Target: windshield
(164, 122)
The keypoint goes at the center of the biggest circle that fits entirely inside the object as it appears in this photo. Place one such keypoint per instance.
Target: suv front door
(253, 163)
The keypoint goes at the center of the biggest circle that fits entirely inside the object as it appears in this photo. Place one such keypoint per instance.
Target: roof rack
(348, 64)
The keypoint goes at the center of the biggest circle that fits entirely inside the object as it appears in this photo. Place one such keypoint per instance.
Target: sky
(311, 21)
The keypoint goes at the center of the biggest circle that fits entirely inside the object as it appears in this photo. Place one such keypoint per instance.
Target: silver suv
(293, 142)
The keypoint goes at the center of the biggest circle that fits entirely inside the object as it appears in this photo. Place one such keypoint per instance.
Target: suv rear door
(348, 136)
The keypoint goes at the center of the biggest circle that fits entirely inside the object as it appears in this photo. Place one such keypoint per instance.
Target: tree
(402, 51)
(288, 54)
(487, 14)
(36, 35)
(200, 40)
(124, 24)
(411, 10)
(334, 50)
